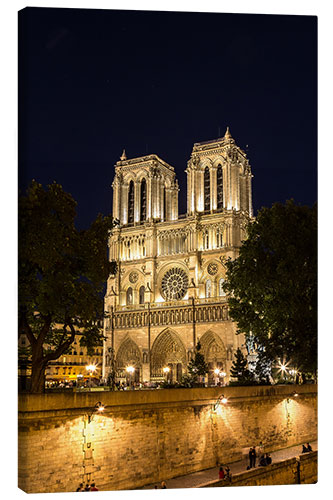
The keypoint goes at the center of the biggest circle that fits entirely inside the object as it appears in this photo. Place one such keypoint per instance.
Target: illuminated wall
(149, 436)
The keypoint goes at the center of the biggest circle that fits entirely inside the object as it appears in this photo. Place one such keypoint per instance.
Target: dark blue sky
(92, 82)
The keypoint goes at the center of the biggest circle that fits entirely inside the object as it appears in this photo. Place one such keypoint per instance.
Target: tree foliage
(239, 369)
(62, 273)
(272, 285)
(197, 367)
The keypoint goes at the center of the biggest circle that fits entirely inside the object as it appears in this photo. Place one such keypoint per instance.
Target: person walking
(308, 447)
(221, 472)
(87, 488)
(93, 487)
(252, 457)
(227, 473)
(80, 488)
(163, 485)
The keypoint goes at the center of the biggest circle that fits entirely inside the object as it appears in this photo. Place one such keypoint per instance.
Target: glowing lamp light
(217, 371)
(223, 374)
(283, 368)
(222, 399)
(166, 369)
(91, 368)
(130, 369)
(98, 407)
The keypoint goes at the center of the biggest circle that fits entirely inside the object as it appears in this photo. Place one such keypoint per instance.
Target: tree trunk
(38, 375)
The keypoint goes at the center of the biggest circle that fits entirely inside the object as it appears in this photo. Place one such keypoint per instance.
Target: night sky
(92, 82)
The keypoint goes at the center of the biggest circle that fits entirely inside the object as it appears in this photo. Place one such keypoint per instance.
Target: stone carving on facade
(213, 347)
(212, 268)
(133, 277)
(128, 354)
(167, 348)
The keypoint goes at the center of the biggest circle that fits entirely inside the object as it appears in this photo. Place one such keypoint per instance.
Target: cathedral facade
(168, 292)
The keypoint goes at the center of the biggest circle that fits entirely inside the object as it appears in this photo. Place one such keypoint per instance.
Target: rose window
(212, 268)
(133, 277)
(174, 284)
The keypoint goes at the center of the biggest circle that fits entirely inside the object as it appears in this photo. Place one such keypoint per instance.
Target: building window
(142, 295)
(206, 190)
(164, 204)
(219, 237)
(131, 203)
(143, 200)
(205, 239)
(219, 182)
(129, 296)
(221, 291)
(208, 288)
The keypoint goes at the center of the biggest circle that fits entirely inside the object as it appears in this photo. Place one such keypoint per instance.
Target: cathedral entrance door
(179, 372)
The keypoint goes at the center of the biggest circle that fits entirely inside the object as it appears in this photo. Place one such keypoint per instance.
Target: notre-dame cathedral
(168, 291)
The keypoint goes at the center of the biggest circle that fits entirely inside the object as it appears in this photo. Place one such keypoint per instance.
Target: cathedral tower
(218, 177)
(144, 189)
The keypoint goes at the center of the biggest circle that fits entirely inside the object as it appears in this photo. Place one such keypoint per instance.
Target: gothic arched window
(131, 202)
(208, 288)
(164, 204)
(206, 189)
(219, 186)
(219, 237)
(221, 291)
(205, 239)
(129, 296)
(142, 295)
(143, 200)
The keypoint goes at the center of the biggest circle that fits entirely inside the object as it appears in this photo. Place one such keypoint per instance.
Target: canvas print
(167, 285)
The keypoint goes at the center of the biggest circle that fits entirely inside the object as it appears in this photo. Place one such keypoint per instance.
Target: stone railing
(172, 315)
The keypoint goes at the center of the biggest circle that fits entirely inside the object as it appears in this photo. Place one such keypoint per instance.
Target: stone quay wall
(149, 436)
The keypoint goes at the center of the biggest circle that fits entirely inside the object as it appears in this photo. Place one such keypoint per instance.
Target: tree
(62, 273)
(197, 367)
(272, 285)
(239, 369)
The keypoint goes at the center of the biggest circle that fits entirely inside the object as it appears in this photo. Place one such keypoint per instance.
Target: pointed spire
(227, 135)
(123, 156)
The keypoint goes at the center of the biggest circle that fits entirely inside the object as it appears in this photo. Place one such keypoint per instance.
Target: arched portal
(128, 355)
(215, 353)
(168, 351)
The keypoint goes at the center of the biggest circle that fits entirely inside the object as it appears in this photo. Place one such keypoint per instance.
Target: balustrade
(205, 312)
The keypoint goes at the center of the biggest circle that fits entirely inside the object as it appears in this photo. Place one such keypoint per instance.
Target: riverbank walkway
(196, 479)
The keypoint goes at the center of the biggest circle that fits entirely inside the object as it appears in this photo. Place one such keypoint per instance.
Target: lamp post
(217, 373)
(99, 407)
(166, 371)
(130, 370)
(91, 369)
(223, 375)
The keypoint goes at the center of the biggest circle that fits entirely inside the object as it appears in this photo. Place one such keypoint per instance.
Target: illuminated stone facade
(168, 291)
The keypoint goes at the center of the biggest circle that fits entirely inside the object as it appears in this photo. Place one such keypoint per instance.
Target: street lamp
(130, 370)
(99, 407)
(222, 374)
(166, 371)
